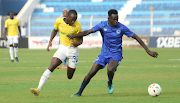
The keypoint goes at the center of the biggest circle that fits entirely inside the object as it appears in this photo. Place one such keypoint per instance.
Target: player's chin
(70, 24)
(115, 25)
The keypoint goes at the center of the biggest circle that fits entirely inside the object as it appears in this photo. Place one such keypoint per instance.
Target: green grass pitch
(132, 78)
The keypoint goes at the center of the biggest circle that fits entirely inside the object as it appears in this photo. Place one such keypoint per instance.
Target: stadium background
(135, 73)
(38, 17)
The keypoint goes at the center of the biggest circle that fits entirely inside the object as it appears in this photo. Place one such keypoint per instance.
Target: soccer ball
(154, 90)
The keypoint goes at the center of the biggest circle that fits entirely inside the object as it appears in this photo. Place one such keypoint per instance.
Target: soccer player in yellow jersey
(65, 11)
(67, 50)
(12, 24)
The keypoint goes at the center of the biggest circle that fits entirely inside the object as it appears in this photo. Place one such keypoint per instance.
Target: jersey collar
(64, 21)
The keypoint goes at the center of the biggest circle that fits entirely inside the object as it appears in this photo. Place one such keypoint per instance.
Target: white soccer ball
(154, 90)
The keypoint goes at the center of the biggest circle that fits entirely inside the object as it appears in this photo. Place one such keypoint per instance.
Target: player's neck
(11, 18)
(111, 25)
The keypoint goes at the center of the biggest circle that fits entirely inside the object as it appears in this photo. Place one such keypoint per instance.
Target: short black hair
(112, 11)
(72, 12)
(10, 12)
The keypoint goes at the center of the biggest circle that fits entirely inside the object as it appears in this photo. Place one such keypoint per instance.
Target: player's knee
(69, 76)
(111, 70)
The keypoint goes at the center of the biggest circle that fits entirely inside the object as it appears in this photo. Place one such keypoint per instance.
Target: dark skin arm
(20, 32)
(84, 33)
(81, 34)
(75, 44)
(151, 53)
(5, 38)
(53, 34)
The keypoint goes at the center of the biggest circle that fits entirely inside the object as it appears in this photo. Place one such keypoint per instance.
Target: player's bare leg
(54, 63)
(111, 68)
(70, 72)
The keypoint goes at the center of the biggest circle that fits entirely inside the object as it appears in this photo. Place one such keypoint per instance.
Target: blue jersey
(112, 37)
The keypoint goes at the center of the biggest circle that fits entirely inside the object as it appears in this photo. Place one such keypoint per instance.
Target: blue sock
(64, 63)
(110, 80)
(83, 85)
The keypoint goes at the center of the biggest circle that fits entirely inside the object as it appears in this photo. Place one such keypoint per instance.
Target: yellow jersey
(66, 29)
(12, 25)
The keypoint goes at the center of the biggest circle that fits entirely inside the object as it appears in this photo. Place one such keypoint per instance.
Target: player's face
(11, 15)
(65, 13)
(113, 20)
(71, 19)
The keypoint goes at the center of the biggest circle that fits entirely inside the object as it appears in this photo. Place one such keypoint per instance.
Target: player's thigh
(96, 67)
(101, 60)
(10, 40)
(72, 60)
(112, 65)
(60, 54)
(15, 40)
(114, 61)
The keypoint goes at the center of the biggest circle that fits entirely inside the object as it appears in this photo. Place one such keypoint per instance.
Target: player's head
(71, 17)
(65, 11)
(11, 15)
(112, 17)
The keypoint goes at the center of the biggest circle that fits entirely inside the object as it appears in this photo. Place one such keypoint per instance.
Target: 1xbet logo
(168, 42)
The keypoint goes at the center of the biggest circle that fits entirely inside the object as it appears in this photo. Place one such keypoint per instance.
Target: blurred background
(157, 21)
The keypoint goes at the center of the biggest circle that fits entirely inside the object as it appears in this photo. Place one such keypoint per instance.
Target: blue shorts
(104, 59)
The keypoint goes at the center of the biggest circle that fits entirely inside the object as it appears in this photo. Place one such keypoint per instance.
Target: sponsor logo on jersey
(72, 29)
(118, 31)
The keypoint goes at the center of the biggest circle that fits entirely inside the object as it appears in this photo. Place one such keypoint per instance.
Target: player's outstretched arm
(151, 53)
(81, 34)
(53, 34)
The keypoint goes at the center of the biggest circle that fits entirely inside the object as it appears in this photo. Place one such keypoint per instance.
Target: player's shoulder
(120, 24)
(60, 19)
(7, 20)
(77, 22)
(103, 23)
(15, 19)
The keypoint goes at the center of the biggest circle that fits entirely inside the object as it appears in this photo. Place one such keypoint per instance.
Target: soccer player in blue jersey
(111, 52)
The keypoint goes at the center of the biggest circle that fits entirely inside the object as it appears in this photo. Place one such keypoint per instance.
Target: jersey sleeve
(127, 32)
(97, 27)
(6, 24)
(56, 24)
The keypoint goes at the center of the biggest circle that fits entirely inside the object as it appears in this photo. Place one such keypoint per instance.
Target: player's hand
(69, 36)
(49, 45)
(153, 54)
(5, 38)
(20, 37)
(75, 44)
